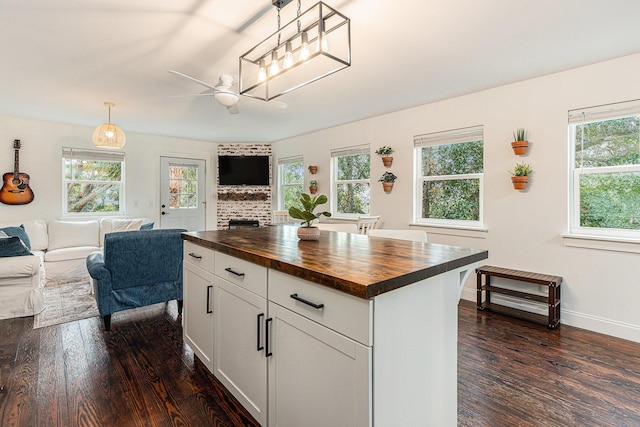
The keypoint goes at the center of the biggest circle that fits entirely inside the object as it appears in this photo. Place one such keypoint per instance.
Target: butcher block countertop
(352, 263)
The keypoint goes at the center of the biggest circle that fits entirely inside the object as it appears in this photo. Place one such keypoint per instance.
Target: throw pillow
(18, 232)
(147, 226)
(13, 246)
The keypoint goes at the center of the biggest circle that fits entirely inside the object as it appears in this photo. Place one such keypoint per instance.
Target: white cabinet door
(317, 377)
(199, 296)
(240, 362)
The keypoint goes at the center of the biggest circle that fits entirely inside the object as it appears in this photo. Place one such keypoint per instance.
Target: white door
(182, 193)
(317, 377)
(240, 360)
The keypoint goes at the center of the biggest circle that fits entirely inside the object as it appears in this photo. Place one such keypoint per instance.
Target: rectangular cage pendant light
(315, 44)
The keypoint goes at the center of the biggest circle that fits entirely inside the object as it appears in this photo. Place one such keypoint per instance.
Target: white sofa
(60, 249)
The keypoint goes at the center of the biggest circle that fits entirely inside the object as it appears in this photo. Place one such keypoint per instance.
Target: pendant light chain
(298, 15)
(278, 25)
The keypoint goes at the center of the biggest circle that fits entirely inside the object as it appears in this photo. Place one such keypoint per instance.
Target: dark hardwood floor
(511, 373)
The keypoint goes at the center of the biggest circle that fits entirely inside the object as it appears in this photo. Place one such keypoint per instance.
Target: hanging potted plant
(385, 152)
(313, 169)
(387, 179)
(313, 186)
(520, 176)
(305, 213)
(520, 142)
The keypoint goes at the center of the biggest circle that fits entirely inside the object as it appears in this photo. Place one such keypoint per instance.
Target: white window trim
(342, 152)
(281, 184)
(618, 240)
(70, 153)
(474, 133)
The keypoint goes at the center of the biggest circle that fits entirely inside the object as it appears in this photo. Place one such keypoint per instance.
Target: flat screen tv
(243, 170)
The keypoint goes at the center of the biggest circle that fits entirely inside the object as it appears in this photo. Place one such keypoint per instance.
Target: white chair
(281, 217)
(414, 235)
(366, 223)
(349, 228)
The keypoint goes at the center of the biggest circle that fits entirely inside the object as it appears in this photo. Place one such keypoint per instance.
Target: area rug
(66, 302)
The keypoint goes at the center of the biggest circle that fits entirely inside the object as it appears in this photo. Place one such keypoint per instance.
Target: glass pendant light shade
(108, 135)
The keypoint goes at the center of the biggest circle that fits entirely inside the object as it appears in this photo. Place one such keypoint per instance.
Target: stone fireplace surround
(243, 202)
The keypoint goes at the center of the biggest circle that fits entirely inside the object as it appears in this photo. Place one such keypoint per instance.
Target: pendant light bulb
(304, 50)
(288, 57)
(322, 44)
(262, 72)
(274, 68)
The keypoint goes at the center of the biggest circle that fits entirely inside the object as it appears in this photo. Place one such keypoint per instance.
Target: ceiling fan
(222, 92)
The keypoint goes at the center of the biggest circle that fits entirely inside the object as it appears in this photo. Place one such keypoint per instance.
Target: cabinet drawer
(199, 256)
(346, 314)
(247, 275)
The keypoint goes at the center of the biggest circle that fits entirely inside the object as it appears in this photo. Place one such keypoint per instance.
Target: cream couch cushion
(114, 225)
(36, 230)
(19, 266)
(71, 234)
(64, 254)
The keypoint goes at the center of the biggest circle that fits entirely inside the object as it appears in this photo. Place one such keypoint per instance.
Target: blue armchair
(138, 268)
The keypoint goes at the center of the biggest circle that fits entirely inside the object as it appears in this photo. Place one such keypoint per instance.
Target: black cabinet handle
(261, 315)
(209, 298)
(268, 352)
(230, 270)
(195, 256)
(309, 303)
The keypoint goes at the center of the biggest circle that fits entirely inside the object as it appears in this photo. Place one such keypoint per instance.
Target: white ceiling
(61, 59)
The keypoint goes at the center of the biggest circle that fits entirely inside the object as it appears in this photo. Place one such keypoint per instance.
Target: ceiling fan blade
(233, 109)
(177, 73)
(190, 95)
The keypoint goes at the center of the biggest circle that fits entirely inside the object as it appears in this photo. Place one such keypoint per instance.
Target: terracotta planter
(387, 186)
(313, 190)
(308, 233)
(386, 161)
(313, 169)
(520, 147)
(519, 182)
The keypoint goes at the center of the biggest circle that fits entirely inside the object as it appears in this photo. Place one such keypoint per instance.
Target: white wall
(40, 157)
(602, 288)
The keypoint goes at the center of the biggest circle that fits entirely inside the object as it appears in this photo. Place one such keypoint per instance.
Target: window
(290, 181)
(183, 186)
(449, 177)
(350, 176)
(605, 147)
(93, 181)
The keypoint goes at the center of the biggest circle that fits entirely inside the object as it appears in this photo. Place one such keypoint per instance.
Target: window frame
(89, 154)
(448, 137)
(582, 117)
(280, 176)
(335, 155)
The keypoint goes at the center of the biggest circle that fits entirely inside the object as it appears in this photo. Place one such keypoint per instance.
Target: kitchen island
(344, 331)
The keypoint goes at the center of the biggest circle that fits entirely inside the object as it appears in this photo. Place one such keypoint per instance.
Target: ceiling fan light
(108, 135)
(226, 98)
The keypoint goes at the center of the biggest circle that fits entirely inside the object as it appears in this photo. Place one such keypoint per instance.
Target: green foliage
(452, 199)
(309, 204)
(388, 177)
(292, 183)
(384, 150)
(313, 183)
(521, 169)
(453, 159)
(608, 143)
(353, 191)
(520, 134)
(93, 186)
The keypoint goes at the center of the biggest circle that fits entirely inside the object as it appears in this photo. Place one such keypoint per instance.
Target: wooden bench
(552, 299)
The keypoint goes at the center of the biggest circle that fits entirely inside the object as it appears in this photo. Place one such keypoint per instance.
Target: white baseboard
(584, 321)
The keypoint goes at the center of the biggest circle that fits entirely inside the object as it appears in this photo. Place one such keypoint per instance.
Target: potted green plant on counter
(385, 152)
(387, 179)
(305, 213)
(520, 176)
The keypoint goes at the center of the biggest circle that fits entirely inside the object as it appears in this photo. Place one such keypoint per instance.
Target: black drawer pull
(230, 270)
(259, 347)
(304, 301)
(195, 255)
(268, 352)
(209, 298)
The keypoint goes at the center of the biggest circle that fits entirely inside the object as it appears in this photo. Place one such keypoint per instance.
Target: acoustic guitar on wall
(15, 188)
